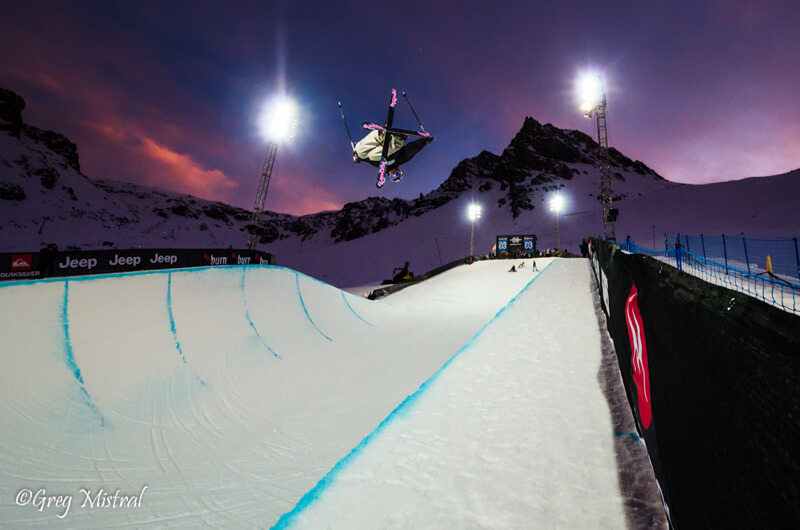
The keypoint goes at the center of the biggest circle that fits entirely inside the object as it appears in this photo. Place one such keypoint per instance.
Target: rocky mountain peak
(57, 143)
(11, 106)
(535, 144)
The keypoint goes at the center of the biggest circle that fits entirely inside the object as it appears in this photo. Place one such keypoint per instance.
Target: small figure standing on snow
(534, 266)
(512, 269)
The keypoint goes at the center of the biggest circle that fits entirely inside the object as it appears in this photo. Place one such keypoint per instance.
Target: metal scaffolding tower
(266, 174)
(609, 213)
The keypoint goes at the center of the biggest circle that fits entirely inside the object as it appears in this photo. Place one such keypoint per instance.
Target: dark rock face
(357, 219)
(11, 192)
(266, 234)
(184, 210)
(47, 177)
(58, 143)
(547, 142)
(11, 106)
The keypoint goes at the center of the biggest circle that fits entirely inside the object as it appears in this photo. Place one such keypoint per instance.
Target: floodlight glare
(589, 88)
(279, 119)
(474, 212)
(556, 203)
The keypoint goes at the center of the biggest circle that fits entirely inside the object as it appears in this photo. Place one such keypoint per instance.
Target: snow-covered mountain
(45, 198)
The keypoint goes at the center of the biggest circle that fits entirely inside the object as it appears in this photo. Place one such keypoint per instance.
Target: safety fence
(711, 377)
(767, 269)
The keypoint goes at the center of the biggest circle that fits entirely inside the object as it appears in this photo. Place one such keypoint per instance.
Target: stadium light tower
(474, 213)
(556, 205)
(278, 122)
(593, 100)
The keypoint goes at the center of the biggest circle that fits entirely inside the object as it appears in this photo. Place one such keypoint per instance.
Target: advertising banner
(49, 264)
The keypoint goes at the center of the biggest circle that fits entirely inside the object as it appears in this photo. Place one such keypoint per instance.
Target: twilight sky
(168, 93)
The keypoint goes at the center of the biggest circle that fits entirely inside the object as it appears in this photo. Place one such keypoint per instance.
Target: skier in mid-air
(370, 148)
(385, 147)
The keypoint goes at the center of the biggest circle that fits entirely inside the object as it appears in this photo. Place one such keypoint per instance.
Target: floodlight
(279, 119)
(556, 203)
(474, 212)
(590, 91)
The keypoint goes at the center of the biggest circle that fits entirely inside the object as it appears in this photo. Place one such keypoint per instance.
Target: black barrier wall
(712, 376)
(47, 264)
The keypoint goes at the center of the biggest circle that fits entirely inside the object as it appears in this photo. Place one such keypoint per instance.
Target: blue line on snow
(306, 500)
(250, 320)
(174, 331)
(353, 310)
(634, 436)
(172, 318)
(300, 294)
(69, 355)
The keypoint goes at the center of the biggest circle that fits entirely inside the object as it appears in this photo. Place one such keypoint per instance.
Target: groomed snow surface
(256, 397)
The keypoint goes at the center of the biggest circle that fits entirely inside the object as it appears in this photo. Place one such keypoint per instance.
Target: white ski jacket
(370, 147)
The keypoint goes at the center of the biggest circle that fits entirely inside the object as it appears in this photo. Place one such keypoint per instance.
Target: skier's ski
(397, 132)
(381, 175)
(389, 119)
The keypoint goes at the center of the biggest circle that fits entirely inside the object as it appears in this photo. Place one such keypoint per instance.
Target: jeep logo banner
(35, 265)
